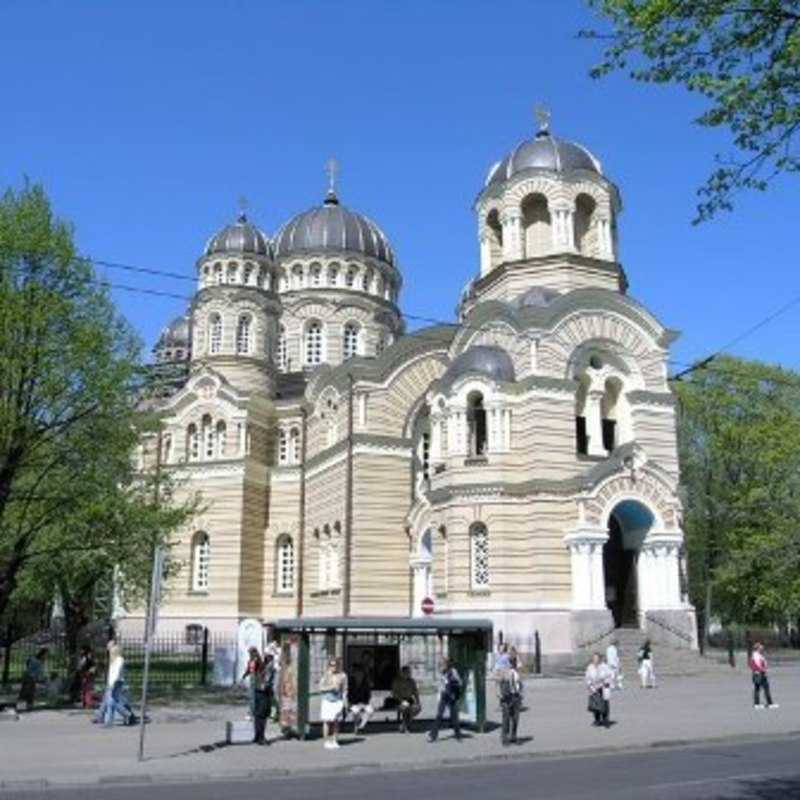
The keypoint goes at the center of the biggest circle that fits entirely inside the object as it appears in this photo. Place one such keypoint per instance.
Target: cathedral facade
(519, 465)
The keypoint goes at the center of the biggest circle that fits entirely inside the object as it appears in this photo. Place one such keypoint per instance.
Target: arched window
(166, 448)
(192, 443)
(248, 274)
(350, 278)
(217, 274)
(536, 222)
(380, 344)
(214, 333)
(284, 565)
(333, 581)
(322, 565)
(297, 277)
(476, 422)
(243, 335)
(314, 343)
(495, 232)
(333, 275)
(284, 280)
(365, 280)
(209, 443)
(282, 356)
(581, 428)
(233, 273)
(201, 557)
(316, 275)
(350, 342)
(479, 556)
(283, 447)
(584, 230)
(294, 446)
(222, 435)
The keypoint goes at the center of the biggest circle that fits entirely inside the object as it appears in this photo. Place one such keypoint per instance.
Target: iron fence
(176, 662)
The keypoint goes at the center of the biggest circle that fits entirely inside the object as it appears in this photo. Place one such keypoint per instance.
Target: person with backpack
(450, 688)
(509, 691)
(758, 668)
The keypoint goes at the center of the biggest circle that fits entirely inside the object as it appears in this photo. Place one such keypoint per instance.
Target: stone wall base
(675, 627)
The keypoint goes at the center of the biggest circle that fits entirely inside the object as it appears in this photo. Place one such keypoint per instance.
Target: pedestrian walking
(33, 676)
(263, 680)
(613, 661)
(509, 692)
(503, 659)
(598, 683)
(87, 672)
(759, 668)
(333, 687)
(116, 700)
(647, 673)
(450, 687)
(254, 665)
(406, 693)
(359, 695)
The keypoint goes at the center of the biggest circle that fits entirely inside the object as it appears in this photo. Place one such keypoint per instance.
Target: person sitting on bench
(406, 693)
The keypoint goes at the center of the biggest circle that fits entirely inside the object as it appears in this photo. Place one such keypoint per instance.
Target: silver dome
(547, 152)
(536, 296)
(241, 237)
(332, 226)
(488, 360)
(176, 334)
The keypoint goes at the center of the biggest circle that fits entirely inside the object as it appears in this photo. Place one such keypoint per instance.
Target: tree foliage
(72, 504)
(740, 462)
(743, 56)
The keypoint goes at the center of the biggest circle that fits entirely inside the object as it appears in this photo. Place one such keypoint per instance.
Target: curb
(149, 779)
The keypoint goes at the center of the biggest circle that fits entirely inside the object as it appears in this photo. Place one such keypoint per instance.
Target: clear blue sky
(146, 121)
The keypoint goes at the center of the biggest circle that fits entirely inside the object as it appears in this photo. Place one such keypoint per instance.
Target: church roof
(240, 237)
(488, 360)
(547, 152)
(333, 227)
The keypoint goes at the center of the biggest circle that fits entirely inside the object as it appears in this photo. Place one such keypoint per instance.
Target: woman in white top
(599, 679)
(333, 688)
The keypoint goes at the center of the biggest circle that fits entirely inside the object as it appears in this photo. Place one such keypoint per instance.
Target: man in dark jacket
(450, 687)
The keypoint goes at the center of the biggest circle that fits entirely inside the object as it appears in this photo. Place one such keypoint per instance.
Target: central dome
(333, 227)
(547, 152)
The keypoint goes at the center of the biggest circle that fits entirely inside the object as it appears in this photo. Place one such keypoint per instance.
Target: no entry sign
(427, 606)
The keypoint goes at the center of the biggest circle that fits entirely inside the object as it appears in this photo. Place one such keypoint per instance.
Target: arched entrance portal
(628, 525)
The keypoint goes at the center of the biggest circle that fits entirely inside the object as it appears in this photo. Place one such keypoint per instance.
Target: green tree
(72, 504)
(740, 466)
(743, 57)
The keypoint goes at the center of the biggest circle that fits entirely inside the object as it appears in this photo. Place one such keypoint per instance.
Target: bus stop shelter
(382, 645)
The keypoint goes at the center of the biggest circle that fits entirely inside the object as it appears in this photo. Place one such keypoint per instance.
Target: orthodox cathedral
(519, 465)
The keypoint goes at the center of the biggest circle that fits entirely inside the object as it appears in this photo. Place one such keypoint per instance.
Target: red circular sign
(427, 606)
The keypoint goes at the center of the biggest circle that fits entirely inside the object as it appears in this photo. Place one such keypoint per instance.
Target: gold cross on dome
(243, 204)
(332, 169)
(542, 115)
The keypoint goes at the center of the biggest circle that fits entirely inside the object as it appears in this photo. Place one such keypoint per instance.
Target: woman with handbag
(599, 679)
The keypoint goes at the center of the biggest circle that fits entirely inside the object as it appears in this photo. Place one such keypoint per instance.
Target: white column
(594, 422)
(569, 228)
(421, 568)
(486, 254)
(436, 439)
(534, 355)
(507, 429)
(362, 409)
(586, 563)
(605, 245)
(494, 438)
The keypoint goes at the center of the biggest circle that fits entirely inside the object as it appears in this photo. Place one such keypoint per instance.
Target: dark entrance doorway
(628, 525)
(619, 567)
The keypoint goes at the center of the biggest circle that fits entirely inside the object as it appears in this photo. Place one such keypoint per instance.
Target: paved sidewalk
(63, 747)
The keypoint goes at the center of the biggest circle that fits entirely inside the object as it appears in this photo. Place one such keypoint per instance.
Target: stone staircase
(668, 660)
